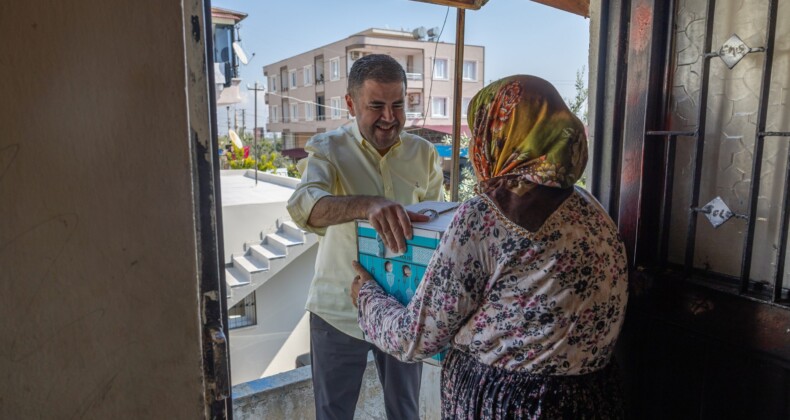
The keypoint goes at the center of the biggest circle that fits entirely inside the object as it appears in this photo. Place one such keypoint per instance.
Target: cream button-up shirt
(342, 163)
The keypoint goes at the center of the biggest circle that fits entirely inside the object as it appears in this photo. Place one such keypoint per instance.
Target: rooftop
(239, 187)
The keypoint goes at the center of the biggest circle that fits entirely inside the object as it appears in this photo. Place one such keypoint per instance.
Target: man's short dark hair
(380, 68)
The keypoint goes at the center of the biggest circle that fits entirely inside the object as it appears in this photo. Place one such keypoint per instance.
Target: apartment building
(226, 55)
(305, 93)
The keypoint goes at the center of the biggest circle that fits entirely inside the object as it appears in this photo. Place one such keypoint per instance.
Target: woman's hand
(360, 279)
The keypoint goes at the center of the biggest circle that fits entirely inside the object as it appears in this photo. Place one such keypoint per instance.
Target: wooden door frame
(208, 212)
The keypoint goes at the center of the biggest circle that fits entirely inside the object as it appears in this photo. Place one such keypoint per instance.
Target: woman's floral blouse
(547, 302)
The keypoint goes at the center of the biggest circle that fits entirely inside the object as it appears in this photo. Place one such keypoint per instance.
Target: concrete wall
(98, 263)
(289, 395)
(251, 225)
(283, 329)
(244, 223)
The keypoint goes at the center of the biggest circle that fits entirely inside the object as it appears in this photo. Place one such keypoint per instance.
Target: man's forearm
(334, 210)
(387, 217)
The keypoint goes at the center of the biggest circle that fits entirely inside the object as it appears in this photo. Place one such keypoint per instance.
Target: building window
(465, 106)
(224, 57)
(307, 74)
(320, 108)
(273, 84)
(334, 69)
(289, 141)
(439, 107)
(711, 228)
(470, 70)
(440, 69)
(294, 112)
(243, 314)
(414, 106)
(336, 106)
(273, 116)
(319, 70)
(354, 56)
(284, 79)
(308, 111)
(292, 78)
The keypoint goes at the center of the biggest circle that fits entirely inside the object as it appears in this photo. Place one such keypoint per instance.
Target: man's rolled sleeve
(318, 179)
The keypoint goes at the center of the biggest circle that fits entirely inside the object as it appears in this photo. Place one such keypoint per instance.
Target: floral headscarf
(521, 126)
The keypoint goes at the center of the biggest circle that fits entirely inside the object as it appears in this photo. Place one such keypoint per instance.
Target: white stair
(263, 259)
(235, 278)
(290, 229)
(266, 252)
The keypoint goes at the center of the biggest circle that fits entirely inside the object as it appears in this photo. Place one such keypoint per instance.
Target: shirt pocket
(418, 194)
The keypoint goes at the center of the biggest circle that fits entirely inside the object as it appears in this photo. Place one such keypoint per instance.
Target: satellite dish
(240, 53)
(235, 139)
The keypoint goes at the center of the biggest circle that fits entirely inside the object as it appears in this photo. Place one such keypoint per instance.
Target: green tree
(448, 140)
(268, 152)
(468, 180)
(466, 188)
(293, 171)
(578, 105)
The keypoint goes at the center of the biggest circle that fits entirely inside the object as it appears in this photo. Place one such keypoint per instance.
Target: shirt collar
(366, 144)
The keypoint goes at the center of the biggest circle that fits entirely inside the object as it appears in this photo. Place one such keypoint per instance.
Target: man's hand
(393, 222)
(388, 218)
(360, 279)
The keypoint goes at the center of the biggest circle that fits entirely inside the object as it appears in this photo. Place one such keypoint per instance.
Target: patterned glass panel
(733, 97)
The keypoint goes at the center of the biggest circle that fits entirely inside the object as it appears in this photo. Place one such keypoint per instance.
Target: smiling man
(367, 169)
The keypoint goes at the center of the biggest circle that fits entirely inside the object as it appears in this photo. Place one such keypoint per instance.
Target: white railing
(414, 76)
(413, 115)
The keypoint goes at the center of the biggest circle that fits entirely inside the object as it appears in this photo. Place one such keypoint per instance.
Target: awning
(294, 154)
(446, 151)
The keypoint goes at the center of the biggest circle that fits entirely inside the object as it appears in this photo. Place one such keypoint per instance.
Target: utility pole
(227, 112)
(255, 124)
(243, 122)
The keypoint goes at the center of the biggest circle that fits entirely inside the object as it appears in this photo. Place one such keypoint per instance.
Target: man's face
(379, 110)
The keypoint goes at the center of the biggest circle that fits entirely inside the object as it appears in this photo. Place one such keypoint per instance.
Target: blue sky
(519, 36)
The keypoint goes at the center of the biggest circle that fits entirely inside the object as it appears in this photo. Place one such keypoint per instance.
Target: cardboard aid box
(400, 274)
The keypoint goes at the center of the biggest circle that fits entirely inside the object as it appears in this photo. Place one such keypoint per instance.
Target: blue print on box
(400, 274)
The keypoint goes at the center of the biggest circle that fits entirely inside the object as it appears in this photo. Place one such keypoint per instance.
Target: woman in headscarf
(529, 284)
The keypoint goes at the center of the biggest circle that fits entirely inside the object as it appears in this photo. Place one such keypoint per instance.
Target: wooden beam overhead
(578, 7)
(461, 4)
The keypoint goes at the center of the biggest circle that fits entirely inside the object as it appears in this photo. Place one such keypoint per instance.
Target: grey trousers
(338, 362)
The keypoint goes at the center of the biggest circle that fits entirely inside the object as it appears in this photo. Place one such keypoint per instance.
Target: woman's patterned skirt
(473, 390)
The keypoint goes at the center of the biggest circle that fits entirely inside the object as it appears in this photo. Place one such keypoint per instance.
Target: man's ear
(350, 105)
